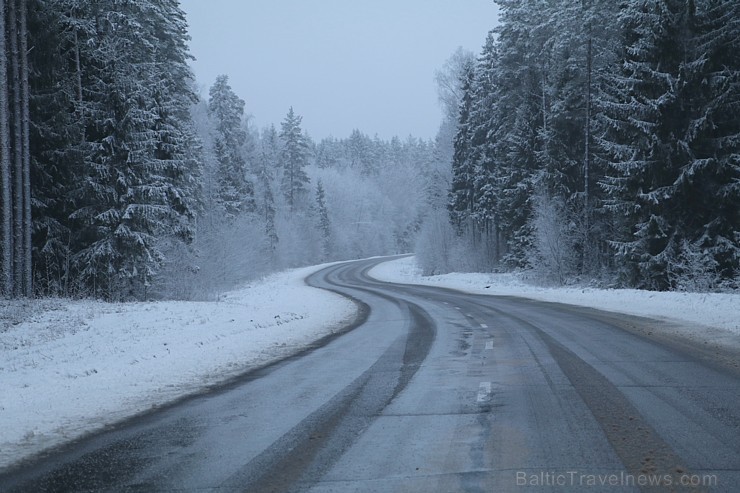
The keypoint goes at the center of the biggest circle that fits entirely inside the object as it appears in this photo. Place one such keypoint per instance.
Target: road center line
(489, 344)
(484, 326)
(484, 391)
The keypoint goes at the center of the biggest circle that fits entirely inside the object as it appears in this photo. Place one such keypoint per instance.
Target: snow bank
(705, 313)
(67, 368)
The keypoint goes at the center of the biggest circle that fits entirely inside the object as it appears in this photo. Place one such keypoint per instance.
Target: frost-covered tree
(57, 31)
(438, 199)
(267, 164)
(520, 114)
(672, 138)
(235, 191)
(622, 114)
(485, 214)
(639, 156)
(554, 256)
(294, 159)
(707, 184)
(462, 191)
(360, 152)
(324, 223)
(579, 50)
(124, 69)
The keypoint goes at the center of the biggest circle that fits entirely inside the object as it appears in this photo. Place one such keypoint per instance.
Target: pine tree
(706, 192)
(267, 163)
(564, 94)
(672, 140)
(175, 134)
(462, 192)
(56, 29)
(486, 182)
(520, 115)
(327, 154)
(133, 187)
(359, 153)
(636, 139)
(324, 223)
(236, 193)
(294, 159)
(579, 48)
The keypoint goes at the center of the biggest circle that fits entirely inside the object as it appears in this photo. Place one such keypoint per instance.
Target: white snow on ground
(713, 315)
(67, 368)
(70, 367)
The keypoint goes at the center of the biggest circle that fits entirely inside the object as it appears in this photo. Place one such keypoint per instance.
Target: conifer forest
(588, 142)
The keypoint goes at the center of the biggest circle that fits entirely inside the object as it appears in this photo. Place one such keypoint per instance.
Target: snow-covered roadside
(67, 368)
(705, 315)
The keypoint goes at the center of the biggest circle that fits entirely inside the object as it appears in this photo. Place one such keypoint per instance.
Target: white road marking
(458, 308)
(484, 326)
(489, 345)
(484, 391)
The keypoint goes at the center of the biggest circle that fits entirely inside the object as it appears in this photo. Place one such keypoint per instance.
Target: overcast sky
(341, 64)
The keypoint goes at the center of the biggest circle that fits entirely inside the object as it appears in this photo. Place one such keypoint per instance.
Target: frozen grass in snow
(70, 367)
(699, 315)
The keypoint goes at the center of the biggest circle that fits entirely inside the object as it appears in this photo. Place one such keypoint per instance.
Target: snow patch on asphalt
(704, 315)
(70, 367)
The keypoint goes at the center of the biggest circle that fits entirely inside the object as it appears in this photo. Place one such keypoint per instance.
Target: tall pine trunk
(17, 149)
(587, 247)
(26, 152)
(6, 272)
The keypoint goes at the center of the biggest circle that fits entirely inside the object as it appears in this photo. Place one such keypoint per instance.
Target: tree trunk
(26, 151)
(6, 271)
(17, 149)
(78, 73)
(587, 248)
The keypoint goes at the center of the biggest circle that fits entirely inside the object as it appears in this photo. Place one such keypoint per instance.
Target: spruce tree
(462, 192)
(324, 223)
(267, 164)
(520, 115)
(294, 157)
(636, 139)
(486, 181)
(579, 48)
(235, 191)
(672, 139)
(133, 183)
(359, 153)
(57, 30)
(706, 194)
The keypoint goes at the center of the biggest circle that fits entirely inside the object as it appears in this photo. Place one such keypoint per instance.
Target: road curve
(434, 390)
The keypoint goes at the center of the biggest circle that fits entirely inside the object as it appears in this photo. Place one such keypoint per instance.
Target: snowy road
(438, 391)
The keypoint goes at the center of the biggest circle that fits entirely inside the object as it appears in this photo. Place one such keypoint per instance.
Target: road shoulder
(72, 368)
(706, 324)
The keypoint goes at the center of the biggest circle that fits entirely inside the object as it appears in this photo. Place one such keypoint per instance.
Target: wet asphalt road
(437, 391)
